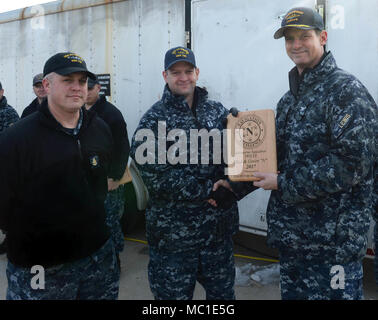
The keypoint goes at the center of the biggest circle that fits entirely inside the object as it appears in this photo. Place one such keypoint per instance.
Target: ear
(165, 74)
(46, 84)
(197, 72)
(323, 37)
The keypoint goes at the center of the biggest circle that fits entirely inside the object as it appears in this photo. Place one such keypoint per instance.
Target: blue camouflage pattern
(8, 115)
(173, 276)
(376, 253)
(114, 207)
(326, 149)
(302, 278)
(179, 220)
(375, 217)
(93, 278)
(178, 217)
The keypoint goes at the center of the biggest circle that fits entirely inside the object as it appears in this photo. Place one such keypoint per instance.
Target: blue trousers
(173, 276)
(114, 207)
(93, 278)
(302, 278)
(376, 253)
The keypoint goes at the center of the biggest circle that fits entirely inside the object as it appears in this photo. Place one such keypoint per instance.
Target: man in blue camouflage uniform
(8, 116)
(376, 250)
(188, 238)
(375, 216)
(319, 209)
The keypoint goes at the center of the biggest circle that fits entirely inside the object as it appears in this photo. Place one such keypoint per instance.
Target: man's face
(39, 90)
(68, 93)
(304, 47)
(181, 78)
(1, 93)
(93, 94)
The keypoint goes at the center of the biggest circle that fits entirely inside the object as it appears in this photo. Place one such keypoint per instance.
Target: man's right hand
(223, 183)
(234, 113)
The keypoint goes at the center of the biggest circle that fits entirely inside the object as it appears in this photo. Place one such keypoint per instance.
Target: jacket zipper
(79, 147)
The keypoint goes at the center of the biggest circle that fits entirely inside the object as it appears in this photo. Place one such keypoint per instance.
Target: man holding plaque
(319, 210)
(189, 239)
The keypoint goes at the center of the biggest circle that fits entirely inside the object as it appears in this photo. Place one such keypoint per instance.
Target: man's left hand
(112, 185)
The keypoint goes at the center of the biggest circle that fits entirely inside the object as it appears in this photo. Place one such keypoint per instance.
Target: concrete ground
(134, 259)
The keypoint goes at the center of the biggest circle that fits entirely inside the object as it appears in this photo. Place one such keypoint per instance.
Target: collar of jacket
(48, 120)
(99, 104)
(309, 76)
(35, 103)
(3, 102)
(171, 99)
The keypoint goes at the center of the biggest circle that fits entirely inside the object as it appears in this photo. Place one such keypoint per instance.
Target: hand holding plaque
(255, 133)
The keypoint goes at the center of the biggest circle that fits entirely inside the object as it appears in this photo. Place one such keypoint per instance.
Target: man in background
(40, 92)
(115, 199)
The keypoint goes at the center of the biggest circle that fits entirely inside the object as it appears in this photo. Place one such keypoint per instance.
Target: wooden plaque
(255, 132)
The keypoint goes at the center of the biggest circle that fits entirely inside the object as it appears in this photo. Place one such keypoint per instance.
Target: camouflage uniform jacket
(375, 193)
(178, 217)
(8, 115)
(326, 144)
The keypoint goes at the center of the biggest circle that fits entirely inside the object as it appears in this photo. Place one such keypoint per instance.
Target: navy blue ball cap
(178, 54)
(65, 63)
(300, 18)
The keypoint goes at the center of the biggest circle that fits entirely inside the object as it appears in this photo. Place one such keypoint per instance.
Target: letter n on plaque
(255, 131)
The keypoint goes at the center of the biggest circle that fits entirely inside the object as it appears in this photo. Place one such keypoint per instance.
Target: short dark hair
(318, 32)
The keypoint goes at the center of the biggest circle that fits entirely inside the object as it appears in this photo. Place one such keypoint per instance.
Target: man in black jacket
(62, 152)
(40, 92)
(115, 200)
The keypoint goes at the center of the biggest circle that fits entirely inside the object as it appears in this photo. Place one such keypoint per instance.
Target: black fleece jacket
(114, 119)
(32, 107)
(52, 189)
